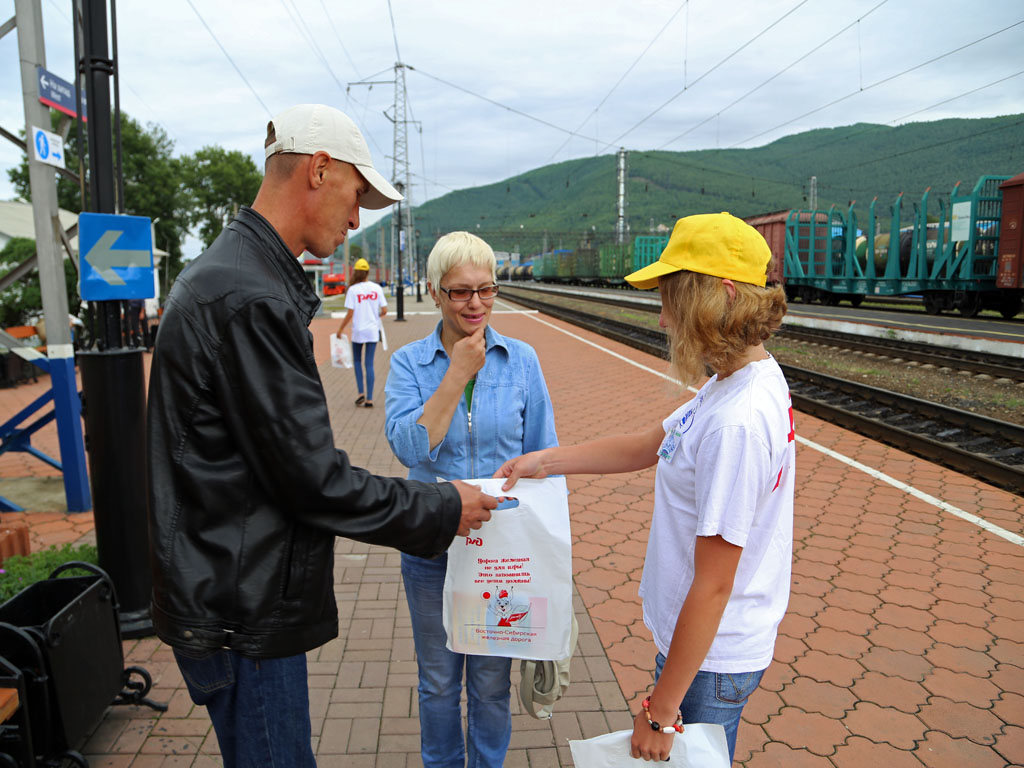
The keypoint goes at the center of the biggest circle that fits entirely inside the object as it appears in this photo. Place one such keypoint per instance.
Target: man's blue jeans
(488, 685)
(259, 707)
(357, 361)
(716, 697)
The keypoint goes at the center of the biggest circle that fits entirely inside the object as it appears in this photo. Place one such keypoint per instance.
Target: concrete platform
(903, 645)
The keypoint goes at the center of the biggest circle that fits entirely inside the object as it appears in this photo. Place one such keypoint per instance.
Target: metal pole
(400, 301)
(50, 261)
(113, 381)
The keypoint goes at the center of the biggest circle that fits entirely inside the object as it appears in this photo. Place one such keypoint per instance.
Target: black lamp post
(400, 299)
(419, 272)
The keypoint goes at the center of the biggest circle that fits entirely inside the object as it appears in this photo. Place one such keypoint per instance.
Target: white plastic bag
(383, 338)
(701, 745)
(508, 587)
(341, 351)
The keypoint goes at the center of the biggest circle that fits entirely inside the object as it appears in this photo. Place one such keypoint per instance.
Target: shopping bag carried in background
(341, 351)
(508, 587)
(383, 338)
(701, 745)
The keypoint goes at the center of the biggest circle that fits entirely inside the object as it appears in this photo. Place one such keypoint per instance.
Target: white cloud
(555, 61)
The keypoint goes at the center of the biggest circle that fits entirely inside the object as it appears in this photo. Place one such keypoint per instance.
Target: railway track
(997, 366)
(985, 448)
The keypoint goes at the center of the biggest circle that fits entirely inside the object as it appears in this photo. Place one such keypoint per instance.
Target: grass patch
(20, 571)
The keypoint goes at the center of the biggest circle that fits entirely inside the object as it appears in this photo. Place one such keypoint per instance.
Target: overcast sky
(497, 89)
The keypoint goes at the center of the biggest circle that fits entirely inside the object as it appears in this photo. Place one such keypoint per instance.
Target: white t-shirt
(365, 300)
(731, 474)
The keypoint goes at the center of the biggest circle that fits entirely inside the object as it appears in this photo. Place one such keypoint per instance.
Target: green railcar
(543, 266)
(647, 249)
(587, 264)
(615, 261)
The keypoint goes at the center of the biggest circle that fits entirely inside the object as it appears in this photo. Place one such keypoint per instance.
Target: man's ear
(318, 166)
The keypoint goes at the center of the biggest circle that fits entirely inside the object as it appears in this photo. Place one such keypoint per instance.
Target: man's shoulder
(233, 264)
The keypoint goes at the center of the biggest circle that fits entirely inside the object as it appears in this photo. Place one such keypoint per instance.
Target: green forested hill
(557, 205)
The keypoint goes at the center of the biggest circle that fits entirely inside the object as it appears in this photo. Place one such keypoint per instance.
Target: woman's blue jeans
(357, 362)
(716, 697)
(488, 686)
(259, 707)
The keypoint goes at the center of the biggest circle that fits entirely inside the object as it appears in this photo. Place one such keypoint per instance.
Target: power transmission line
(340, 43)
(773, 77)
(619, 82)
(959, 96)
(305, 31)
(500, 105)
(879, 82)
(394, 32)
(708, 72)
(927, 146)
(228, 55)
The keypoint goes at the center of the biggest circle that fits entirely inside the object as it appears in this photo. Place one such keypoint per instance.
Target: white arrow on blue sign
(59, 93)
(117, 257)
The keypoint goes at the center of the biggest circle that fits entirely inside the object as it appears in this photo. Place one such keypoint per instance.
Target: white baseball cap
(306, 129)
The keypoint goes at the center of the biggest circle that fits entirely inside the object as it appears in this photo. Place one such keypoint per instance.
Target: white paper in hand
(702, 745)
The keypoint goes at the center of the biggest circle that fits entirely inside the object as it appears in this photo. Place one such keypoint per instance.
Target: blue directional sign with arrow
(116, 257)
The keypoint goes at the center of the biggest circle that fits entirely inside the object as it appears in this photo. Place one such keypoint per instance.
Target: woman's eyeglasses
(465, 294)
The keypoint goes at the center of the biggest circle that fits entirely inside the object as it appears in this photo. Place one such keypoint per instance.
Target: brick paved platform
(903, 644)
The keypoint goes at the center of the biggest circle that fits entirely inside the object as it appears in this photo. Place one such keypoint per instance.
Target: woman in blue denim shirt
(459, 403)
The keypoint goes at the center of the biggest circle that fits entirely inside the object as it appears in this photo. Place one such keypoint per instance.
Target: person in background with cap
(366, 305)
(247, 490)
(716, 577)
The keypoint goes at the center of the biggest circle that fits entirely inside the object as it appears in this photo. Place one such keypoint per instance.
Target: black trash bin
(63, 634)
(16, 732)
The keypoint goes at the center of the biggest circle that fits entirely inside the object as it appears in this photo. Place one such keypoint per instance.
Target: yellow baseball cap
(715, 244)
(362, 265)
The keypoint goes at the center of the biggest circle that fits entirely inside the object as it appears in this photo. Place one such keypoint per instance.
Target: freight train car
(970, 259)
(965, 261)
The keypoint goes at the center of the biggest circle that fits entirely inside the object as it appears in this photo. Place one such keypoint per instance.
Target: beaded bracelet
(656, 726)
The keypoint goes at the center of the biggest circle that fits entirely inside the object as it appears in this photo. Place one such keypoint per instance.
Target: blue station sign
(116, 257)
(59, 94)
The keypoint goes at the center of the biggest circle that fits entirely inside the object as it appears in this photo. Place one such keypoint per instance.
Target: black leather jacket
(247, 491)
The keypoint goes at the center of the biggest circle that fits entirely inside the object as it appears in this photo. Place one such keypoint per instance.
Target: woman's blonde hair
(709, 331)
(456, 249)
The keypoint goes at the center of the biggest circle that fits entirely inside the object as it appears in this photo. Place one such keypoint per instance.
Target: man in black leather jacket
(248, 491)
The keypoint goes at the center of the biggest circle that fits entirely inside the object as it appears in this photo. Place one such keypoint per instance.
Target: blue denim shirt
(511, 409)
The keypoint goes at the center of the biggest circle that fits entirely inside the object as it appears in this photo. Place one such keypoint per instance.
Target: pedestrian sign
(49, 147)
(116, 257)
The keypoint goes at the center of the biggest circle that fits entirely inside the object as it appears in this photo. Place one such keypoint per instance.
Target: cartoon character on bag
(501, 604)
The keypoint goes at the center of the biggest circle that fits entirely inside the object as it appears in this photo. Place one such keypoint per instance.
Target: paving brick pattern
(903, 644)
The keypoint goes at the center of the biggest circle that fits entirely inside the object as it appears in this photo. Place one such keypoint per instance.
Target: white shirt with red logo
(365, 300)
(726, 468)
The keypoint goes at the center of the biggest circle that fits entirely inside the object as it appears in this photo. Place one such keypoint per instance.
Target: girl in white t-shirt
(717, 573)
(366, 305)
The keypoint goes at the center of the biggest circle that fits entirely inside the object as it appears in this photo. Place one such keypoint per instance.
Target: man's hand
(469, 353)
(476, 507)
(528, 465)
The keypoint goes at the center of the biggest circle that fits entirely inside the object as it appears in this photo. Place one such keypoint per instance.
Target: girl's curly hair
(708, 332)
